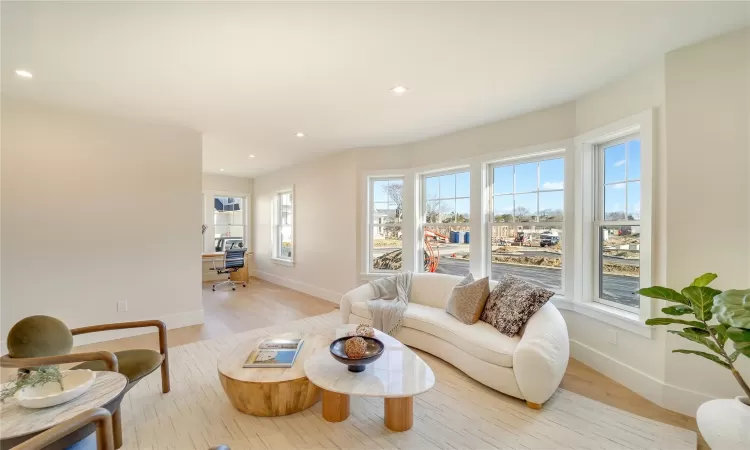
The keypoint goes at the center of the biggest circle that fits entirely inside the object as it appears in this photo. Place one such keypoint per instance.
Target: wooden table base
(335, 406)
(270, 399)
(399, 413)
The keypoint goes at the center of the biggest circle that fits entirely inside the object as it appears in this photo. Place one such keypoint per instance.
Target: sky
(622, 174)
(523, 185)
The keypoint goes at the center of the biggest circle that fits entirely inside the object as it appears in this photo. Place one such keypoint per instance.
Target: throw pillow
(467, 299)
(512, 303)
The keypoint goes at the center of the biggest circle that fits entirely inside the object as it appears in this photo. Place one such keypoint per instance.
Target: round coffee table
(397, 376)
(18, 424)
(267, 391)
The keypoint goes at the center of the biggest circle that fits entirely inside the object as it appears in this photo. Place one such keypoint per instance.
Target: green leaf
(697, 331)
(742, 347)
(701, 300)
(670, 321)
(677, 310)
(663, 293)
(733, 308)
(738, 334)
(704, 280)
(713, 358)
(733, 356)
(721, 334)
(698, 339)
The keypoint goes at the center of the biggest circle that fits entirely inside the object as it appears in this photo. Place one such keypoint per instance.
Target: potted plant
(731, 309)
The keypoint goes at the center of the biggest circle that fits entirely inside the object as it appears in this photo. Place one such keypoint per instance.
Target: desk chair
(234, 260)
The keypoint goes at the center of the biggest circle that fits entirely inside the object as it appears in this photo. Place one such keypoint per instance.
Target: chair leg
(165, 375)
(534, 405)
(117, 427)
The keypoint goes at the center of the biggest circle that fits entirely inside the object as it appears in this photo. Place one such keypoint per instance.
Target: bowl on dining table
(373, 351)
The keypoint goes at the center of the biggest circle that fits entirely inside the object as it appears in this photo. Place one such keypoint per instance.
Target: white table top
(18, 421)
(230, 364)
(399, 372)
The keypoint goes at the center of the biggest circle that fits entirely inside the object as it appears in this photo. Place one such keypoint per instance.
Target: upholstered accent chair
(43, 341)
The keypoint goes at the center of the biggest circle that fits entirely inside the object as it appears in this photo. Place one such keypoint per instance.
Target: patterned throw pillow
(467, 299)
(512, 303)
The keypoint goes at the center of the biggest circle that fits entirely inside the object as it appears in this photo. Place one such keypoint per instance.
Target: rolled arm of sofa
(541, 357)
(359, 294)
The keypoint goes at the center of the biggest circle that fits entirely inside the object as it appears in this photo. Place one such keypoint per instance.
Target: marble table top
(230, 364)
(16, 421)
(399, 372)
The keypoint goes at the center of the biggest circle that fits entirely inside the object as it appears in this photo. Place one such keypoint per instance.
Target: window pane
(286, 242)
(551, 206)
(387, 247)
(525, 207)
(432, 187)
(614, 164)
(446, 249)
(238, 217)
(634, 160)
(551, 174)
(634, 200)
(614, 202)
(502, 180)
(619, 264)
(221, 231)
(462, 210)
(531, 252)
(463, 188)
(432, 212)
(380, 190)
(448, 186)
(447, 210)
(503, 208)
(526, 177)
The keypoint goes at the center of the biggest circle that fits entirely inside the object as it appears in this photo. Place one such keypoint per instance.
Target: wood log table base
(270, 399)
(399, 412)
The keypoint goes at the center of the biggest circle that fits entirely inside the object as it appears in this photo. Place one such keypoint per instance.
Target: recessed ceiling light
(24, 73)
(221, 170)
(398, 90)
(300, 134)
(251, 156)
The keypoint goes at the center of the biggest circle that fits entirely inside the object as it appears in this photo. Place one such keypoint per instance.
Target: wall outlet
(122, 306)
(612, 337)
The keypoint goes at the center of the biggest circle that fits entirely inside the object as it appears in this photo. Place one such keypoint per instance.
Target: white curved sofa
(528, 366)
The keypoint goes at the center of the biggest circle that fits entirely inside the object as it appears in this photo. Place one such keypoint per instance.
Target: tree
(521, 213)
(395, 193)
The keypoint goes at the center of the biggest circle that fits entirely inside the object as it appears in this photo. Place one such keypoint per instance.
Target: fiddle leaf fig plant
(731, 309)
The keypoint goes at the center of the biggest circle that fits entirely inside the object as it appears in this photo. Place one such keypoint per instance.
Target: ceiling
(250, 76)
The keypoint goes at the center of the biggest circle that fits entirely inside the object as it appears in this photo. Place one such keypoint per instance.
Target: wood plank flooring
(263, 304)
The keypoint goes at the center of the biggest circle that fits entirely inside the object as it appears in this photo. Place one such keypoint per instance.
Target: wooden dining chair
(45, 341)
(100, 416)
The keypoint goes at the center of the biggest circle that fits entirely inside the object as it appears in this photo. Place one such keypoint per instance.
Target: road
(616, 287)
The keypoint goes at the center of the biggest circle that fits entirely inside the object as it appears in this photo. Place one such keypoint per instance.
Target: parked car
(227, 243)
(548, 239)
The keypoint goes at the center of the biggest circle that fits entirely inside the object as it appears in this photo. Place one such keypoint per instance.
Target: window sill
(625, 320)
(283, 262)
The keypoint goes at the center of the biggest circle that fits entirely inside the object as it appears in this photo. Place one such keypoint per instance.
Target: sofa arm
(541, 357)
(364, 292)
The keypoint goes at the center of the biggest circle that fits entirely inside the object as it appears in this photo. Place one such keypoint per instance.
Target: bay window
(385, 220)
(444, 222)
(526, 226)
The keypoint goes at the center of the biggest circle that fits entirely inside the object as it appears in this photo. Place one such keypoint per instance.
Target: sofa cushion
(512, 303)
(466, 302)
(480, 340)
(359, 308)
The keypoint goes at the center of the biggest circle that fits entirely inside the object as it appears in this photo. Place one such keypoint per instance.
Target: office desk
(240, 275)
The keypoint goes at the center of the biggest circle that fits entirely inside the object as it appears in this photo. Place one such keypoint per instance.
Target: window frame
(276, 239)
(588, 197)
(536, 157)
(209, 240)
(421, 201)
(370, 224)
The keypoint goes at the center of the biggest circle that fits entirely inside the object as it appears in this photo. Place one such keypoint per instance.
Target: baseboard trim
(669, 396)
(325, 294)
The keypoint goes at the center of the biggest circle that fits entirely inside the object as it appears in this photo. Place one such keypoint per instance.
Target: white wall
(224, 183)
(83, 196)
(691, 91)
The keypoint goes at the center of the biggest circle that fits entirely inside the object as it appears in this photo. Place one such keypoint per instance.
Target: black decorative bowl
(374, 350)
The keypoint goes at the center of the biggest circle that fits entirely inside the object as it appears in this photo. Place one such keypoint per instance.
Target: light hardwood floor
(262, 304)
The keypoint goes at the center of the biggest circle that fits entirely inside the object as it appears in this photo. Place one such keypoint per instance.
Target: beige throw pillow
(466, 302)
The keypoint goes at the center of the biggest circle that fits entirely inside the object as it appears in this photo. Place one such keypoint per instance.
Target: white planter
(75, 383)
(725, 424)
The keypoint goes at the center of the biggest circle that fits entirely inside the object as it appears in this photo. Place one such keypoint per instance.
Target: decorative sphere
(355, 347)
(365, 330)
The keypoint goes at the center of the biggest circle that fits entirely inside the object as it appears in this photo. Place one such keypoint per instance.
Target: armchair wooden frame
(100, 416)
(109, 358)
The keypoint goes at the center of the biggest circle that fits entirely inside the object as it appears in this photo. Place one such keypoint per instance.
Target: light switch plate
(122, 306)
